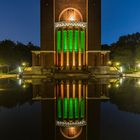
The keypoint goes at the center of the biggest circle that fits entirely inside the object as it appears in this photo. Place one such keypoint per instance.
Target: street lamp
(117, 63)
(24, 64)
(109, 63)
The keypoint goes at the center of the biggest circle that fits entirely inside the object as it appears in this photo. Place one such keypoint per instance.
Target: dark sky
(19, 19)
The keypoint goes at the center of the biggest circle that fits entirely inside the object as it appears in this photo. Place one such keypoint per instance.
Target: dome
(70, 14)
(71, 132)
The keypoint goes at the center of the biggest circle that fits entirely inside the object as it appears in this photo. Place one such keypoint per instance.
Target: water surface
(105, 109)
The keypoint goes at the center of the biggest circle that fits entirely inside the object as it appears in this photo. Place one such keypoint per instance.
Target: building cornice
(69, 24)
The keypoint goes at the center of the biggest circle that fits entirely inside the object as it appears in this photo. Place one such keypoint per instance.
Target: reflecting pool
(99, 109)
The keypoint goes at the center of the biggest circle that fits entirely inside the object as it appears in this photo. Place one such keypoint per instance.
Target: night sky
(19, 19)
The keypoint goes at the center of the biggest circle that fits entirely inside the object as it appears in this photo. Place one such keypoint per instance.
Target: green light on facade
(76, 107)
(82, 42)
(82, 108)
(76, 40)
(65, 108)
(70, 40)
(59, 111)
(59, 41)
(64, 40)
(70, 108)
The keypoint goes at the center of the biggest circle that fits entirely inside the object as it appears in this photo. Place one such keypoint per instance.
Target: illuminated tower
(70, 35)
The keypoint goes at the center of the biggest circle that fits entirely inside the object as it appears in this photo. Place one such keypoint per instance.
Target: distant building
(70, 36)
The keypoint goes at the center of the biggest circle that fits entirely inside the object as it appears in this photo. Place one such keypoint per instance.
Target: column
(70, 46)
(75, 49)
(82, 47)
(58, 47)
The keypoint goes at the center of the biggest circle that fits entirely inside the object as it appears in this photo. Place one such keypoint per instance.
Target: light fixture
(72, 18)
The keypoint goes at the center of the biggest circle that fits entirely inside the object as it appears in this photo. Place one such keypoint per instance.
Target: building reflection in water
(70, 109)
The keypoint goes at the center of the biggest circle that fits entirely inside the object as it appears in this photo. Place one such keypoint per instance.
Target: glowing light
(139, 82)
(24, 64)
(117, 85)
(19, 69)
(68, 88)
(109, 86)
(24, 86)
(73, 59)
(72, 23)
(61, 59)
(72, 18)
(121, 69)
(109, 62)
(80, 59)
(121, 81)
(73, 90)
(117, 63)
(20, 82)
(67, 59)
(138, 65)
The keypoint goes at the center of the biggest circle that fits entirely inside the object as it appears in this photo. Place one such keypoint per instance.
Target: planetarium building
(70, 37)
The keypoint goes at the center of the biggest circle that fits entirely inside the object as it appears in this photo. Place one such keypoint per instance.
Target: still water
(104, 109)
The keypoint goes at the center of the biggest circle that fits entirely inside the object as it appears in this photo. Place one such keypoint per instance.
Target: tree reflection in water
(71, 109)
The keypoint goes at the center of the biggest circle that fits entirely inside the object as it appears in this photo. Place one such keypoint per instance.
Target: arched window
(70, 14)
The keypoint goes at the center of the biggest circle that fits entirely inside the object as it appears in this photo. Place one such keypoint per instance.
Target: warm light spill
(72, 18)
(79, 91)
(67, 58)
(62, 91)
(61, 59)
(73, 58)
(73, 90)
(79, 59)
(68, 87)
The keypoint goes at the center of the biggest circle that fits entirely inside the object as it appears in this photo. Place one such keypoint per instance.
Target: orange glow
(67, 59)
(86, 58)
(71, 18)
(73, 58)
(71, 132)
(83, 59)
(73, 90)
(79, 90)
(79, 58)
(68, 87)
(61, 59)
(70, 14)
(62, 91)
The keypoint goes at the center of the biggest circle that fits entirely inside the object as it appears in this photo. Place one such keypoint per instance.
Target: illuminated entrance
(70, 40)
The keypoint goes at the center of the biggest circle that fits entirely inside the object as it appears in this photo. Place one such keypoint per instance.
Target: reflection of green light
(64, 40)
(58, 41)
(82, 41)
(59, 108)
(82, 108)
(76, 107)
(76, 40)
(70, 108)
(70, 40)
(65, 107)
